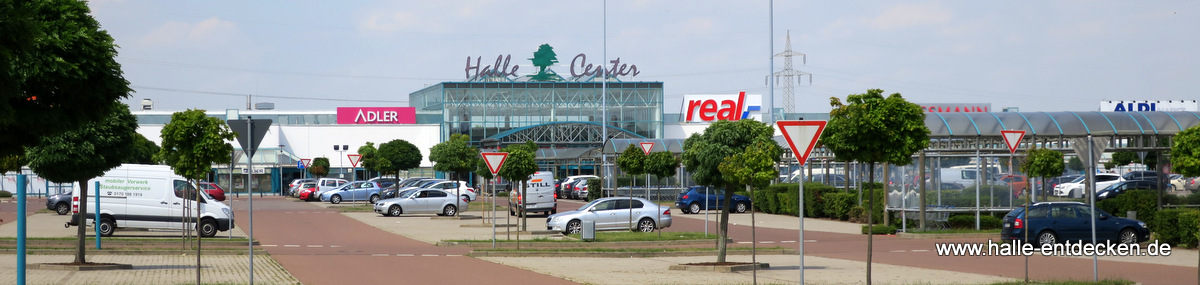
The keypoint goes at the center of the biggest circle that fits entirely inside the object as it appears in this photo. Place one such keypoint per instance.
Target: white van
(541, 195)
(150, 197)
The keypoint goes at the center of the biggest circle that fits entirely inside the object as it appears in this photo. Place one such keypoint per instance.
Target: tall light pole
(604, 99)
(341, 149)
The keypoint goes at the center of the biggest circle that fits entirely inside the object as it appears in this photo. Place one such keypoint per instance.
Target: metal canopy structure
(557, 133)
(1126, 131)
(619, 145)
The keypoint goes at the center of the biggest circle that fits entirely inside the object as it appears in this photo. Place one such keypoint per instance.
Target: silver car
(613, 213)
(421, 201)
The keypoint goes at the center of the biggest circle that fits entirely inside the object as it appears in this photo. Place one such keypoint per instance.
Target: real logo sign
(707, 108)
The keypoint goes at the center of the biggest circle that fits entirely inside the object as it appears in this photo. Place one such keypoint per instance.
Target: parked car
(1193, 184)
(385, 179)
(1074, 189)
(693, 199)
(1053, 182)
(1140, 175)
(213, 190)
(1055, 222)
(60, 203)
(390, 192)
(580, 189)
(421, 201)
(355, 191)
(307, 191)
(569, 184)
(540, 193)
(456, 187)
(1112, 191)
(326, 184)
(295, 184)
(1176, 182)
(1019, 183)
(613, 213)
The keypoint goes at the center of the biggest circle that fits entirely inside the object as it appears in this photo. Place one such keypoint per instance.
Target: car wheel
(554, 211)
(1128, 236)
(694, 208)
(466, 198)
(1047, 237)
(395, 210)
(107, 226)
(207, 228)
(740, 207)
(449, 210)
(62, 208)
(573, 227)
(645, 225)
(1173, 187)
(374, 198)
(335, 199)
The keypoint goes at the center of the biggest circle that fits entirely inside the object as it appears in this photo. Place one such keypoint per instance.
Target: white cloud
(211, 31)
(911, 15)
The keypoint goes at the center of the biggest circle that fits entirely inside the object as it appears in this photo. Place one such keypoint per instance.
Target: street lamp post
(341, 149)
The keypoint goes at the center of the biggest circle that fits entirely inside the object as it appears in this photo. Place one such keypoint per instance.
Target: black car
(693, 199)
(1140, 175)
(1055, 222)
(60, 203)
(1116, 189)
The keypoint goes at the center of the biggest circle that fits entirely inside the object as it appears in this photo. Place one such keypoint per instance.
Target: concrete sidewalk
(147, 269)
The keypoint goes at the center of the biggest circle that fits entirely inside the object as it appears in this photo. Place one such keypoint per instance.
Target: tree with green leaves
(704, 152)
(319, 167)
(192, 143)
(662, 164)
(60, 72)
(144, 151)
(1123, 158)
(82, 154)
(368, 159)
(1074, 164)
(12, 162)
(1044, 163)
(400, 154)
(873, 129)
(633, 162)
(754, 168)
(520, 165)
(1185, 152)
(454, 156)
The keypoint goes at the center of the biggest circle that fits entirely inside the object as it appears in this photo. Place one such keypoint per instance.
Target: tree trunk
(81, 223)
(724, 225)
(870, 221)
(524, 205)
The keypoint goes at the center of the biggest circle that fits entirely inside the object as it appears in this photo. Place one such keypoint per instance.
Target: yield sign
(494, 160)
(801, 136)
(1013, 139)
(646, 147)
(354, 159)
(306, 162)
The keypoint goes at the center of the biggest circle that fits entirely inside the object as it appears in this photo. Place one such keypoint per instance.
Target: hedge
(967, 221)
(880, 230)
(788, 202)
(837, 205)
(764, 200)
(598, 192)
(1144, 202)
(5, 194)
(1178, 227)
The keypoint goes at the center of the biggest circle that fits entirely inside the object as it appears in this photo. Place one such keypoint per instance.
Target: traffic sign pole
(801, 137)
(1013, 139)
(494, 161)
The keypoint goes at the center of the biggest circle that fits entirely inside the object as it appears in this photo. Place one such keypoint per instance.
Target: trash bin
(588, 233)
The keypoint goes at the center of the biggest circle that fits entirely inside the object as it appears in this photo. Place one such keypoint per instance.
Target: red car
(213, 190)
(307, 191)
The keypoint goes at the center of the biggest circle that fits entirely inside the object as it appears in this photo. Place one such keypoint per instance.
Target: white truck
(149, 197)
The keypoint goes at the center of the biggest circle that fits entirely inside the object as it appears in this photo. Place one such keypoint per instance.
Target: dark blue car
(1055, 222)
(693, 199)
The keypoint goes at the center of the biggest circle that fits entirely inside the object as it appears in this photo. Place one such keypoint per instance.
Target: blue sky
(317, 55)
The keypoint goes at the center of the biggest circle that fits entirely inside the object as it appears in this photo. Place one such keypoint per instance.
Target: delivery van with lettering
(150, 197)
(541, 196)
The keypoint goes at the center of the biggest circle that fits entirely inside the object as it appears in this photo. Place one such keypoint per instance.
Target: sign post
(1013, 139)
(646, 147)
(249, 134)
(494, 160)
(801, 137)
(354, 159)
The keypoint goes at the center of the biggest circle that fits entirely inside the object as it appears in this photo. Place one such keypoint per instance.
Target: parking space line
(788, 241)
(745, 242)
(379, 254)
(920, 250)
(315, 245)
(454, 255)
(404, 254)
(291, 245)
(430, 255)
(810, 240)
(898, 250)
(335, 246)
(269, 245)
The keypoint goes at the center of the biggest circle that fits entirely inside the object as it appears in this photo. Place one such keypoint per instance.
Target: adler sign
(708, 108)
(376, 115)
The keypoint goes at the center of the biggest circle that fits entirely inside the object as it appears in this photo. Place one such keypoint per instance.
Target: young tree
(1123, 158)
(1185, 152)
(192, 143)
(400, 154)
(82, 154)
(454, 156)
(520, 165)
(754, 169)
(874, 129)
(1074, 164)
(633, 162)
(60, 71)
(703, 154)
(319, 167)
(369, 160)
(1044, 163)
(662, 164)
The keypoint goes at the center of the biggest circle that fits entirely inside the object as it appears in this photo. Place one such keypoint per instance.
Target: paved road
(320, 246)
(8, 208)
(921, 253)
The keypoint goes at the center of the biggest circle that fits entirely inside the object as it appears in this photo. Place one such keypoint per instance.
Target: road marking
(269, 245)
(745, 242)
(404, 254)
(766, 242)
(315, 245)
(430, 255)
(788, 241)
(898, 250)
(335, 246)
(291, 245)
(454, 255)
(920, 250)
(379, 254)
(810, 240)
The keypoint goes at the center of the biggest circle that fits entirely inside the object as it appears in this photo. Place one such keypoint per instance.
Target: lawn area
(1070, 282)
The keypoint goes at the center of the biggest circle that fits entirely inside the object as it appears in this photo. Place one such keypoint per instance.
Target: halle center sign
(376, 115)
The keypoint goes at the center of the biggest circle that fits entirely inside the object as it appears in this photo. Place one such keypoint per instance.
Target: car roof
(1058, 203)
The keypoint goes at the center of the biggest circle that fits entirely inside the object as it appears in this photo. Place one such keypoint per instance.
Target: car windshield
(1079, 180)
(309, 185)
(406, 193)
(585, 206)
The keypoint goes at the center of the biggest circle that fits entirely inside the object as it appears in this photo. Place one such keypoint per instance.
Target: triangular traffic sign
(646, 147)
(307, 162)
(354, 159)
(494, 160)
(801, 136)
(242, 129)
(1013, 139)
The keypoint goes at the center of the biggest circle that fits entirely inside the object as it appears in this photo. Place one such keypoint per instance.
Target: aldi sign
(708, 108)
(376, 115)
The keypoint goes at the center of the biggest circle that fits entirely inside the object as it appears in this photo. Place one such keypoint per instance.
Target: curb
(92, 267)
(480, 253)
(615, 244)
(720, 268)
(948, 236)
(92, 251)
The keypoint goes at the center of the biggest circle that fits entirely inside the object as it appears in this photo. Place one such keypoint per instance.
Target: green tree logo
(543, 58)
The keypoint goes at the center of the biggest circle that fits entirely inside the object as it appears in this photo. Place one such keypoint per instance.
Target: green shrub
(5, 194)
(595, 189)
(1144, 202)
(990, 222)
(857, 214)
(789, 202)
(838, 204)
(502, 194)
(764, 200)
(880, 230)
(1178, 227)
(967, 221)
(814, 197)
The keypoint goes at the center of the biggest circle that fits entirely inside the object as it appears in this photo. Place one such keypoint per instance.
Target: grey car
(613, 213)
(60, 203)
(421, 201)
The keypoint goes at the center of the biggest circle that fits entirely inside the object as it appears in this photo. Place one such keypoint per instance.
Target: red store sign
(376, 115)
